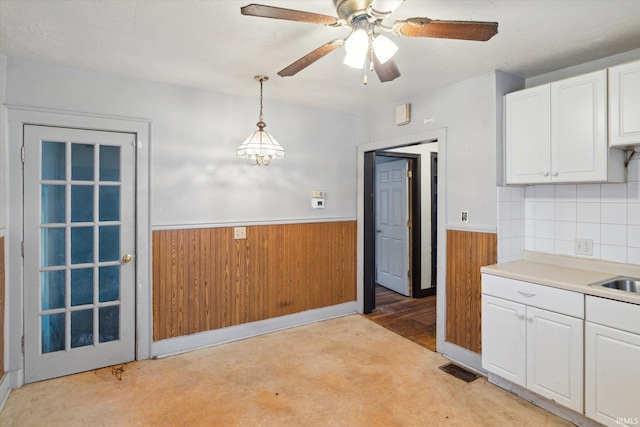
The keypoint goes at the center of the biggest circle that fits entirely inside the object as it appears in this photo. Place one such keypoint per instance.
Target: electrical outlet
(318, 193)
(464, 216)
(583, 246)
(239, 233)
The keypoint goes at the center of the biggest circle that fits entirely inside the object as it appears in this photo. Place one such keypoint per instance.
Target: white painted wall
(196, 177)
(468, 111)
(3, 146)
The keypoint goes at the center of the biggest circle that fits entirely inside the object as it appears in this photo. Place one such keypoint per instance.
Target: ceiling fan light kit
(365, 17)
(260, 148)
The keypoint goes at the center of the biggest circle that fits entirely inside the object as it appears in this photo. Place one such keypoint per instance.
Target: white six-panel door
(392, 232)
(79, 250)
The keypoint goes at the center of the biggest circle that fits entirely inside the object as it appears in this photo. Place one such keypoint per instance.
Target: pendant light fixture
(260, 148)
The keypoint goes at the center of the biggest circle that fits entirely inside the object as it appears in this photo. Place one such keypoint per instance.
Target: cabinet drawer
(545, 297)
(615, 314)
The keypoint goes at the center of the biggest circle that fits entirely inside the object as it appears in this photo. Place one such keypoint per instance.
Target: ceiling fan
(366, 40)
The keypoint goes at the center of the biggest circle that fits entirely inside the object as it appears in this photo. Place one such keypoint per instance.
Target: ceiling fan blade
(288, 14)
(310, 58)
(462, 30)
(387, 71)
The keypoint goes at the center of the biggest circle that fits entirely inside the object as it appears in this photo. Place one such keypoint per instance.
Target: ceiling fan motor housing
(351, 9)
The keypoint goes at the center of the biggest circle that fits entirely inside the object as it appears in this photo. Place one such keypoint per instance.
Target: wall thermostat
(317, 203)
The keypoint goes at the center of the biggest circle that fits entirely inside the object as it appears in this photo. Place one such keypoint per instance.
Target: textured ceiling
(210, 45)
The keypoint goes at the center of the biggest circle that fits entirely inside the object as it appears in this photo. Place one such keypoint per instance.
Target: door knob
(378, 230)
(127, 258)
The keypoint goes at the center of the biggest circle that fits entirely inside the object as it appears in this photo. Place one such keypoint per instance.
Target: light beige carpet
(341, 372)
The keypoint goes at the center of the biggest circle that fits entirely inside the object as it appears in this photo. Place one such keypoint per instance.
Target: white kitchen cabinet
(532, 335)
(555, 357)
(557, 133)
(504, 346)
(612, 362)
(528, 135)
(624, 104)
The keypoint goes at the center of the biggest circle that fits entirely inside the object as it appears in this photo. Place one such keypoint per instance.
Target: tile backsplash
(547, 218)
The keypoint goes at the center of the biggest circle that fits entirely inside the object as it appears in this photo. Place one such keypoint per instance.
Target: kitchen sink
(625, 284)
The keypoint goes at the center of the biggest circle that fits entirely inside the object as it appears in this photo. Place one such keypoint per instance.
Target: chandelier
(260, 148)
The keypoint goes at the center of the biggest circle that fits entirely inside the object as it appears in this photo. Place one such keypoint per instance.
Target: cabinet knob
(555, 173)
(545, 174)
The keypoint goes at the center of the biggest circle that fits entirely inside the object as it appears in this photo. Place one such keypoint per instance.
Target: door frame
(414, 212)
(365, 272)
(17, 117)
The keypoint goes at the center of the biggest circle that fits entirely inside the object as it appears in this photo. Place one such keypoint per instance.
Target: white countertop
(564, 277)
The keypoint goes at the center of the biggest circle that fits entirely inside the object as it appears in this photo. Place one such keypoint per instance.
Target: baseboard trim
(546, 404)
(9, 382)
(172, 346)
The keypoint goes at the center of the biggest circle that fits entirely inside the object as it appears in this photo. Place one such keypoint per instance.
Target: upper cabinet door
(579, 148)
(624, 104)
(528, 136)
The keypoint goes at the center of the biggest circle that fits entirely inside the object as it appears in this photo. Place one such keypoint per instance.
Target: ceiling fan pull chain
(365, 80)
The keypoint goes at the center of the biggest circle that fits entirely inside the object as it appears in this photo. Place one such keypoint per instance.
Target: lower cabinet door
(503, 339)
(554, 357)
(612, 376)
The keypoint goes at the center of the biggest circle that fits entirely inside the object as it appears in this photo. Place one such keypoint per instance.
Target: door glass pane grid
(90, 288)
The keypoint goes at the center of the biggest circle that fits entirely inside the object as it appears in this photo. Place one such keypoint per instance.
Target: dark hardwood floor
(413, 318)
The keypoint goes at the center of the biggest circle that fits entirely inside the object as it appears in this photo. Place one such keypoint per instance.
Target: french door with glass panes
(79, 246)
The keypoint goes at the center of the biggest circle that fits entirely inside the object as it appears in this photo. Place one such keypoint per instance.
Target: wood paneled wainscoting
(204, 279)
(466, 253)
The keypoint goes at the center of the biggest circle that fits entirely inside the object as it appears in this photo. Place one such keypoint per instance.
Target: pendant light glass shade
(384, 48)
(260, 148)
(356, 47)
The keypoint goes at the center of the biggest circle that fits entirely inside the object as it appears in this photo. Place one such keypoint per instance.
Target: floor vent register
(459, 372)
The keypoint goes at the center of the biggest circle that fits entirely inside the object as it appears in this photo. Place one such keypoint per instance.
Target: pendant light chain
(261, 118)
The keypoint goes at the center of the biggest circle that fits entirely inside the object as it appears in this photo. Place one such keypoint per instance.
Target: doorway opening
(393, 212)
